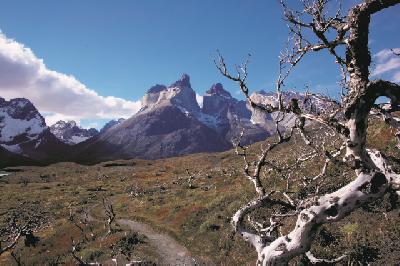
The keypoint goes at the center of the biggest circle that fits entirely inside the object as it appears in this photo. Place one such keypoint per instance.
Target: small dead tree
(16, 256)
(20, 224)
(75, 247)
(82, 223)
(190, 179)
(109, 211)
(348, 120)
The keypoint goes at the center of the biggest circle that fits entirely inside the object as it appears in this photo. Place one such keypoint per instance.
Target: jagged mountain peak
(180, 94)
(65, 124)
(70, 133)
(170, 123)
(183, 82)
(217, 100)
(23, 129)
(19, 119)
(218, 89)
(20, 108)
(111, 124)
(157, 88)
(263, 92)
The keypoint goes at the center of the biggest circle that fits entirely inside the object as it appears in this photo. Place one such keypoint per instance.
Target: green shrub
(91, 255)
(127, 243)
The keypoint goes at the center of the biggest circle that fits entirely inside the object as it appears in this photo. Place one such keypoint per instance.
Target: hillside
(170, 123)
(196, 213)
(11, 159)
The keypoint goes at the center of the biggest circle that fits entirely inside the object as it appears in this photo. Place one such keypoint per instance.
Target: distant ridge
(169, 123)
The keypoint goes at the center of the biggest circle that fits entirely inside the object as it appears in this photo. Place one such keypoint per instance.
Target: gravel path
(170, 251)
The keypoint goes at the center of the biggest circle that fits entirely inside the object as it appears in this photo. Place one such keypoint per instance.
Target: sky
(93, 60)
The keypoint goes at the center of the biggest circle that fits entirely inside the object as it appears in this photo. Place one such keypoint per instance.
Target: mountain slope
(231, 116)
(70, 133)
(23, 132)
(164, 132)
(111, 124)
(8, 158)
(171, 123)
(167, 125)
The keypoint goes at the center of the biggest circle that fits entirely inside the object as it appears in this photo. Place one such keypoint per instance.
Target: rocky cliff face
(111, 124)
(19, 122)
(170, 123)
(308, 103)
(23, 131)
(231, 116)
(179, 94)
(70, 133)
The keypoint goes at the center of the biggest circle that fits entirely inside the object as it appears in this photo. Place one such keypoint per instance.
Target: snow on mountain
(178, 94)
(20, 122)
(23, 132)
(70, 133)
(308, 103)
(170, 123)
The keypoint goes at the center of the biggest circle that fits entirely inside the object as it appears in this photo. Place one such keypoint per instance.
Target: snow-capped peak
(184, 81)
(179, 94)
(19, 119)
(70, 133)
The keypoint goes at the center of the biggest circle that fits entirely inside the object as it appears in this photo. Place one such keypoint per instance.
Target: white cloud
(385, 54)
(199, 100)
(391, 64)
(92, 125)
(387, 63)
(52, 118)
(22, 74)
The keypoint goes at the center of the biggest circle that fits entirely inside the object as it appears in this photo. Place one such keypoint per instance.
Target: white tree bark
(373, 175)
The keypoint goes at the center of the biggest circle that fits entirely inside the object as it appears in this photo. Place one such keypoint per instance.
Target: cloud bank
(387, 63)
(61, 96)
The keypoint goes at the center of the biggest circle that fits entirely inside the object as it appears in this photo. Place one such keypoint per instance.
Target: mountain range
(70, 133)
(169, 123)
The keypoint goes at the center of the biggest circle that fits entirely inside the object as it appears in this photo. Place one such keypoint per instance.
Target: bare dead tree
(82, 223)
(16, 256)
(12, 243)
(190, 179)
(21, 223)
(345, 37)
(109, 211)
(75, 247)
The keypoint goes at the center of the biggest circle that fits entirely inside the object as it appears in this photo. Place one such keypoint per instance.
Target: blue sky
(121, 48)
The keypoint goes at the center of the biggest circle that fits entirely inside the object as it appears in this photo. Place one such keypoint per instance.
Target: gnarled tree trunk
(373, 175)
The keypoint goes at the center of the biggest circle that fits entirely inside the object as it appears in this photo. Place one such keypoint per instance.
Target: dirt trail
(170, 251)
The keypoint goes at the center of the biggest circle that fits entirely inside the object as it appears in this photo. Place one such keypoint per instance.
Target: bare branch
(348, 120)
(109, 211)
(315, 260)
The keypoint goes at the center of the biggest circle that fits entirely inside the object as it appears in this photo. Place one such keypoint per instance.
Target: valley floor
(164, 215)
